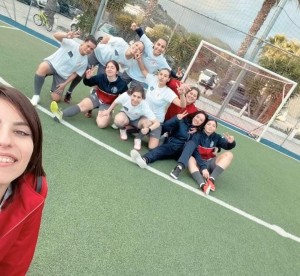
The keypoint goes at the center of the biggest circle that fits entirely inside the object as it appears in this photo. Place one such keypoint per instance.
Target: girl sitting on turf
(110, 86)
(205, 166)
(180, 129)
(134, 107)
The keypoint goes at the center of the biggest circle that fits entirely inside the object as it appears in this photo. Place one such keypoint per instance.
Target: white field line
(9, 27)
(228, 123)
(277, 229)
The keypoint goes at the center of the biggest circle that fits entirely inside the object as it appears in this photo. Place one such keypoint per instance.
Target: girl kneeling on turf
(134, 110)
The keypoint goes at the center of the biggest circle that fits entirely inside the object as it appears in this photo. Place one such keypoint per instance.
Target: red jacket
(19, 227)
(174, 109)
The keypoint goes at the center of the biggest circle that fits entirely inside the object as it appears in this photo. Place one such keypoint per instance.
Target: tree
(258, 22)
(182, 48)
(159, 31)
(123, 22)
(90, 8)
(283, 57)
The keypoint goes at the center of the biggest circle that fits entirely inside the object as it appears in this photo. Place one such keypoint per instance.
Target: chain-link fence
(185, 24)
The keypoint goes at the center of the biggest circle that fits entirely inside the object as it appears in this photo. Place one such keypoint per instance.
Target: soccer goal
(241, 93)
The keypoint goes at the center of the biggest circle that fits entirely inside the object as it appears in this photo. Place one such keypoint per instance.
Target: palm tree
(283, 58)
(258, 22)
(256, 25)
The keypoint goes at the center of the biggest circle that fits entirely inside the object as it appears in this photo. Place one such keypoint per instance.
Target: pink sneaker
(123, 134)
(211, 183)
(205, 188)
(137, 144)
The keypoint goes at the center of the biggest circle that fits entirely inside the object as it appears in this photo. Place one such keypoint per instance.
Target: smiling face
(16, 144)
(210, 127)
(163, 77)
(87, 48)
(191, 96)
(137, 48)
(136, 98)
(111, 70)
(198, 119)
(159, 47)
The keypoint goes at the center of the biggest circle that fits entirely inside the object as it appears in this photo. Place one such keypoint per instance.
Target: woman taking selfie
(23, 186)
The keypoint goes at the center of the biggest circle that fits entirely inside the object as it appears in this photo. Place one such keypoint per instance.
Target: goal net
(241, 93)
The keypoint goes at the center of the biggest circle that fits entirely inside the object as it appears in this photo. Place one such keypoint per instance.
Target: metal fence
(223, 23)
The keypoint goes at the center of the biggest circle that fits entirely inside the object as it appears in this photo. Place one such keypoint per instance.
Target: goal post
(244, 94)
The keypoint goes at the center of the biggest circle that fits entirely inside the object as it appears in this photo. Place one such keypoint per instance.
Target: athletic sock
(145, 159)
(198, 178)
(74, 83)
(216, 172)
(180, 165)
(140, 135)
(38, 84)
(71, 111)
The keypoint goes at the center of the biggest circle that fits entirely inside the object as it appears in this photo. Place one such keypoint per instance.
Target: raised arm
(226, 142)
(105, 39)
(61, 35)
(142, 66)
(181, 101)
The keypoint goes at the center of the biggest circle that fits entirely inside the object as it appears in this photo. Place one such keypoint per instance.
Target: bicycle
(42, 19)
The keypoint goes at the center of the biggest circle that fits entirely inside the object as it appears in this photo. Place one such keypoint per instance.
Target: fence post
(99, 15)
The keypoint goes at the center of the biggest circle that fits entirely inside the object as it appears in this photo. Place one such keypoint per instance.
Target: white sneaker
(56, 111)
(123, 134)
(114, 126)
(35, 100)
(137, 144)
(137, 158)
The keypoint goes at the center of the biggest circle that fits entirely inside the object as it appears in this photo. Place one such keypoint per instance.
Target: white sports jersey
(113, 50)
(67, 59)
(153, 63)
(158, 98)
(135, 112)
(133, 69)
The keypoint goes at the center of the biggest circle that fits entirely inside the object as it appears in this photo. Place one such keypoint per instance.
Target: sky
(238, 14)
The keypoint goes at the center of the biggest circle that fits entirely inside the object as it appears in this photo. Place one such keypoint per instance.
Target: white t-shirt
(158, 98)
(133, 69)
(113, 50)
(135, 112)
(153, 63)
(67, 59)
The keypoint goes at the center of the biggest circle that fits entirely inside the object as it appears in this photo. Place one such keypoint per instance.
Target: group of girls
(146, 113)
(111, 83)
